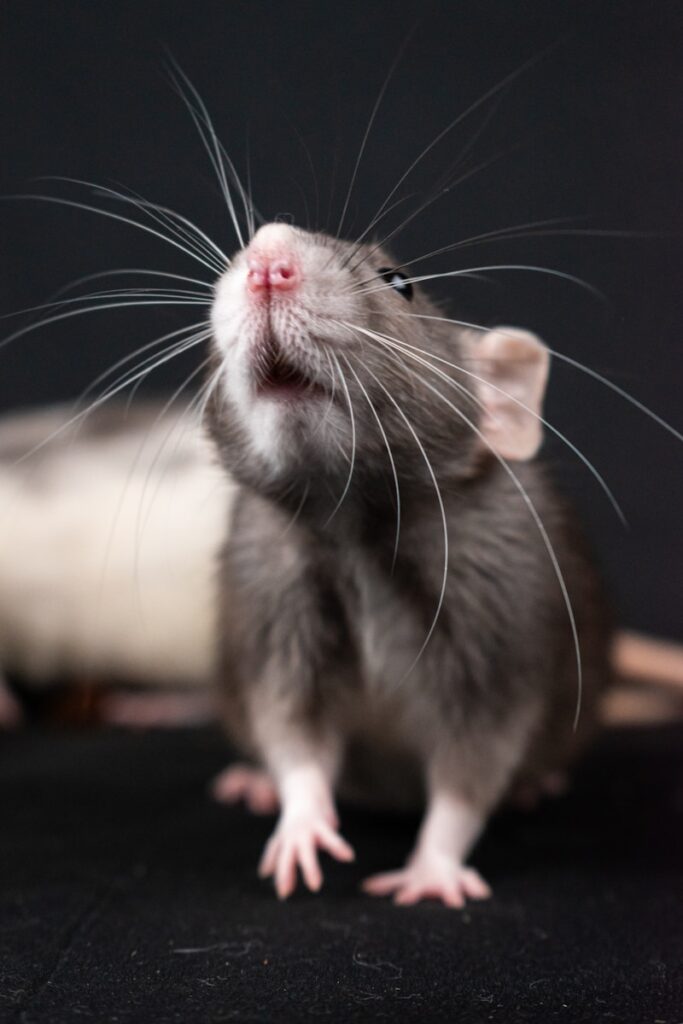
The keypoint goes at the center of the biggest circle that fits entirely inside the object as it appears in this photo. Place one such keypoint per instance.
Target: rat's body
(327, 676)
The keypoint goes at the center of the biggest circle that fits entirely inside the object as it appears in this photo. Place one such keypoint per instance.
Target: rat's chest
(389, 622)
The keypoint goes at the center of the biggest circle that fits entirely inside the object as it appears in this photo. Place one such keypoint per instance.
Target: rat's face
(310, 334)
(327, 358)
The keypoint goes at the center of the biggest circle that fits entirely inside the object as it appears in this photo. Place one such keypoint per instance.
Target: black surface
(127, 896)
(591, 132)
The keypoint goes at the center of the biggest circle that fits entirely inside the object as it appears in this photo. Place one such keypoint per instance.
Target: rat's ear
(513, 365)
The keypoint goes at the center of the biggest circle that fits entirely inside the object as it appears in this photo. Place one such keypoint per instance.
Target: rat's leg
(243, 781)
(436, 868)
(467, 775)
(285, 655)
(304, 771)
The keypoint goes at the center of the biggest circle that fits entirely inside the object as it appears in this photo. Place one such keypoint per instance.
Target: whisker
(218, 155)
(95, 309)
(427, 203)
(493, 91)
(149, 365)
(442, 510)
(551, 272)
(110, 393)
(544, 535)
(297, 511)
(122, 271)
(409, 349)
(139, 351)
(502, 233)
(333, 379)
(577, 365)
(185, 228)
(59, 201)
(516, 232)
(146, 293)
(180, 225)
(251, 226)
(382, 431)
(371, 121)
(311, 167)
(143, 515)
(352, 461)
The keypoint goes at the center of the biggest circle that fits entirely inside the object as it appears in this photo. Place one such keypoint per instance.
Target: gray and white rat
(404, 594)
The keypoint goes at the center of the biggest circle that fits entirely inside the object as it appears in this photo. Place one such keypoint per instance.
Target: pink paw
(294, 846)
(252, 785)
(430, 877)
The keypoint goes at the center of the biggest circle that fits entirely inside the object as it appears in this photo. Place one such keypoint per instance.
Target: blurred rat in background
(108, 538)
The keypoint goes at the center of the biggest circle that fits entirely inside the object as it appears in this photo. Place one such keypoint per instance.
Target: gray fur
(320, 626)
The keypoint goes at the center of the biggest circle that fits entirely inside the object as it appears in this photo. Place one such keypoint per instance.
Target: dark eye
(398, 281)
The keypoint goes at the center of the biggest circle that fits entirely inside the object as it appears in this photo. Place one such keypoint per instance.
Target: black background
(591, 132)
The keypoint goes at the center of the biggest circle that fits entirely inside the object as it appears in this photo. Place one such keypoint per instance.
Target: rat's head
(326, 353)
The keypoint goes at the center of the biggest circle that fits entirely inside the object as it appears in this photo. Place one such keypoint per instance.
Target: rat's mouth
(277, 376)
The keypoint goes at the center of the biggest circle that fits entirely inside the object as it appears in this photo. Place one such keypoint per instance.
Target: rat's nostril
(257, 275)
(267, 272)
(283, 274)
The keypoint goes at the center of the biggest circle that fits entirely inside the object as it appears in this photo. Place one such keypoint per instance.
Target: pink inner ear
(514, 371)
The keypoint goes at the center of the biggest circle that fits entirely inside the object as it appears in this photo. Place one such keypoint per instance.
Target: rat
(407, 608)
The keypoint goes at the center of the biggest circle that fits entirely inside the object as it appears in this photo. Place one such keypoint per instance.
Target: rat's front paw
(294, 845)
(434, 876)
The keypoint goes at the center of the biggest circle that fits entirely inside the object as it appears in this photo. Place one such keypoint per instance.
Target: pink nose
(269, 271)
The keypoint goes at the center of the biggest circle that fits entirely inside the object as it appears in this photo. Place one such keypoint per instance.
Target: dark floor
(126, 896)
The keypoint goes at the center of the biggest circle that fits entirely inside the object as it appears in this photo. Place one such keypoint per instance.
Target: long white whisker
(408, 349)
(551, 272)
(516, 233)
(501, 233)
(195, 327)
(143, 514)
(453, 124)
(218, 153)
(130, 271)
(442, 510)
(366, 135)
(382, 431)
(110, 393)
(95, 309)
(122, 293)
(185, 227)
(150, 364)
(352, 461)
(59, 201)
(170, 219)
(544, 535)
(429, 201)
(393, 343)
(577, 365)
(333, 379)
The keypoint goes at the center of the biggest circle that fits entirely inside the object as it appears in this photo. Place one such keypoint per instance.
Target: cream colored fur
(107, 551)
